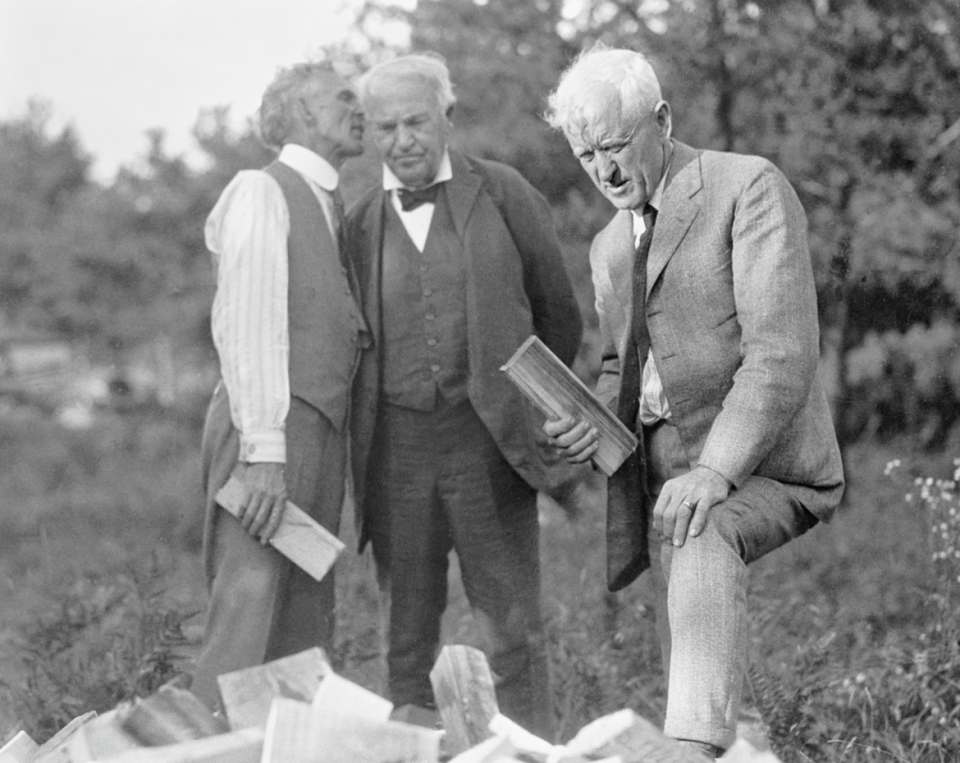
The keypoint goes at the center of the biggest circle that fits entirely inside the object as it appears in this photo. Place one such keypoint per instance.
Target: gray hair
(601, 78)
(276, 106)
(428, 66)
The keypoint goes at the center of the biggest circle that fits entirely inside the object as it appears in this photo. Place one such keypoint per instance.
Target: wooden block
(626, 735)
(247, 694)
(556, 390)
(244, 746)
(20, 749)
(290, 735)
(463, 688)
(294, 734)
(347, 739)
(338, 696)
(497, 749)
(300, 538)
(100, 737)
(742, 751)
(169, 716)
(524, 742)
(416, 716)
(54, 750)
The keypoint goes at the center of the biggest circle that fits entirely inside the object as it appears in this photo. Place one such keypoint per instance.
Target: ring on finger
(687, 504)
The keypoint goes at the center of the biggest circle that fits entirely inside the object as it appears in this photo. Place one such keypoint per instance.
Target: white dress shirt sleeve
(247, 233)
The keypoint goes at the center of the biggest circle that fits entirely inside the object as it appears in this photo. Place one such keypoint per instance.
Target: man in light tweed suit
(708, 316)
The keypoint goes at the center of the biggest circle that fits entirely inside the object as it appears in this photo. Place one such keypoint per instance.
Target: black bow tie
(413, 198)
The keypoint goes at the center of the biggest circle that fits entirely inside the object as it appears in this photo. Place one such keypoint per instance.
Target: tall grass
(854, 628)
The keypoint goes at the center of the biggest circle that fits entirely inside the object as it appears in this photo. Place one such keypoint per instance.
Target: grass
(855, 652)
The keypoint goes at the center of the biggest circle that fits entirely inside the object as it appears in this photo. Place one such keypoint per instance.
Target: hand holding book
(556, 390)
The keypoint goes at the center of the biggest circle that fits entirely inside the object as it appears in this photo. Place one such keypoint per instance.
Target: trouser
(439, 483)
(702, 589)
(262, 607)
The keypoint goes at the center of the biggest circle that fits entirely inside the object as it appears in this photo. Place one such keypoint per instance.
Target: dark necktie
(339, 213)
(411, 198)
(627, 510)
(341, 225)
(639, 345)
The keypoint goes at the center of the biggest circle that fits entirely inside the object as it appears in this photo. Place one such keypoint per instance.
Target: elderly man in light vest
(288, 332)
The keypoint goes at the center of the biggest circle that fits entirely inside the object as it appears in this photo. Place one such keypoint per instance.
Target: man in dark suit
(708, 316)
(459, 263)
(288, 333)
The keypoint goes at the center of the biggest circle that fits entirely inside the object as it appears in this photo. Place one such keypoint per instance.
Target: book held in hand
(558, 392)
(300, 538)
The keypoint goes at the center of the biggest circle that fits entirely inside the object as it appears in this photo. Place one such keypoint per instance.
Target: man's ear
(664, 119)
(303, 112)
(449, 113)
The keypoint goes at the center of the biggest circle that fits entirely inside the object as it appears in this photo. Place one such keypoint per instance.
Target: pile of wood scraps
(298, 710)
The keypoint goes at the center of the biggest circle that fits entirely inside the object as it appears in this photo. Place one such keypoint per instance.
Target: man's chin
(624, 200)
(418, 180)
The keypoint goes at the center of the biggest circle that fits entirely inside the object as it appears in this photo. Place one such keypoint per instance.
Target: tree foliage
(854, 99)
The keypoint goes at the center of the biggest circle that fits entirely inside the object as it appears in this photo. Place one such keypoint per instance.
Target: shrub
(105, 640)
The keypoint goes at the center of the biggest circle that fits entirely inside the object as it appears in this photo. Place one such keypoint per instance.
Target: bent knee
(721, 538)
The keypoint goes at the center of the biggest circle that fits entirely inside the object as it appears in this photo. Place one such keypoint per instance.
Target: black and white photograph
(482, 381)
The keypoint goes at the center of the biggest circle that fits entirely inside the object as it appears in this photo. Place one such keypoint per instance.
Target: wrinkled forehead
(401, 93)
(599, 118)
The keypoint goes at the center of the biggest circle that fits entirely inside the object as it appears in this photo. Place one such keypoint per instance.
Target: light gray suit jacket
(732, 315)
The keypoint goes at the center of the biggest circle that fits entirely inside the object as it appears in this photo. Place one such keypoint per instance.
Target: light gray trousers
(701, 587)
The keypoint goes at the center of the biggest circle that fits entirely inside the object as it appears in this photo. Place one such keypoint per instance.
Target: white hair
(277, 106)
(599, 80)
(428, 66)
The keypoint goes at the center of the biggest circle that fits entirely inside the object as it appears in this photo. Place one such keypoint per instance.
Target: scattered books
(306, 713)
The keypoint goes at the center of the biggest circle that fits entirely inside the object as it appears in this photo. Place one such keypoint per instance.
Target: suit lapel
(620, 257)
(678, 210)
(461, 190)
(372, 296)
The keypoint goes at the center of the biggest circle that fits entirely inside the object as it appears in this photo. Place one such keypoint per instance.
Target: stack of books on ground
(298, 710)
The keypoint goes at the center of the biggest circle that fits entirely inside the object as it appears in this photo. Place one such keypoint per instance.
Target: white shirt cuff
(263, 446)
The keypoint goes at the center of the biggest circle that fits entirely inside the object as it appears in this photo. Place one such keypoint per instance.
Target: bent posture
(708, 319)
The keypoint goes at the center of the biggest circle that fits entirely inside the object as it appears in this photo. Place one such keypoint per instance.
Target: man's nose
(404, 137)
(606, 168)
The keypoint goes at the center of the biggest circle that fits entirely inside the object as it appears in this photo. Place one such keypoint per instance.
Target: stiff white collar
(310, 164)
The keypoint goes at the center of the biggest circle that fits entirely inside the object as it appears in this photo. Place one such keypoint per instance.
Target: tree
(42, 172)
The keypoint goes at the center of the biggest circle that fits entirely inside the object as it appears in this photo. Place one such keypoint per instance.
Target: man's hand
(265, 499)
(685, 502)
(576, 441)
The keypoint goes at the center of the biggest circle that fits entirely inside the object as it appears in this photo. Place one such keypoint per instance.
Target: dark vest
(326, 326)
(424, 312)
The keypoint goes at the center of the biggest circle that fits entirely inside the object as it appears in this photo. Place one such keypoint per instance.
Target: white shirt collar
(444, 173)
(311, 165)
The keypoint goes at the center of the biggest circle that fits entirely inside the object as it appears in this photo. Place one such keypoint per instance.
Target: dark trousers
(262, 607)
(439, 483)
